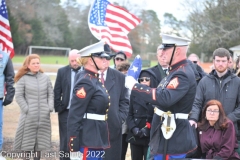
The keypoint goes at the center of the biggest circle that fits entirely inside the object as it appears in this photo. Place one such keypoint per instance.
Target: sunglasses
(144, 79)
(194, 61)
(119, 59)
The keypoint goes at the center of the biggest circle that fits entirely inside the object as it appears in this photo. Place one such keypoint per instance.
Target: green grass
(63, 60)
(154, 63)
(45, 59)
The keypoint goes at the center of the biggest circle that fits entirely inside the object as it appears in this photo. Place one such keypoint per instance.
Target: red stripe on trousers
(85, 153)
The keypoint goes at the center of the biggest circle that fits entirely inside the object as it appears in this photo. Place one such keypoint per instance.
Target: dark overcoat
(118, 110)
(62, 89)
(139, 113)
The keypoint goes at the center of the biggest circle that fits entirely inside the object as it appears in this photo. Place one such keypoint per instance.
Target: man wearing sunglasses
(195, 60)
(118, 107)
(119, 58)
(171, 134)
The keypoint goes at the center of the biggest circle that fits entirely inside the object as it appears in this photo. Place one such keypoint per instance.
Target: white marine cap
(96, 50)
(170, 39)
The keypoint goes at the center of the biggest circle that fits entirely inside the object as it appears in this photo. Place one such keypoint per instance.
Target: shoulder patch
(173, 83)
(81, 93)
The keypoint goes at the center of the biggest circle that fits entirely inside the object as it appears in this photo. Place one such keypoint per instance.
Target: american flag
(112, 24)
(135, 68)
(5, 32)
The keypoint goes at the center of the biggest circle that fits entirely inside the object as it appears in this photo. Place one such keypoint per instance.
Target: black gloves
(136, 132)
(6, 102)
(145, 132)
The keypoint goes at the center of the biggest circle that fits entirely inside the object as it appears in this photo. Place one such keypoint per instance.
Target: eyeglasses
(144, 79)
(119, 59)
(213, 111)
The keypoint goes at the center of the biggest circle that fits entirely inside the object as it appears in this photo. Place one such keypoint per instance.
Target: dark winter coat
(118, 110)
(225, 89)
(137, 117)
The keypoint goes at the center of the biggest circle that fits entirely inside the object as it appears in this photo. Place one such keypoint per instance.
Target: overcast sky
(159, 6)
(170, 6)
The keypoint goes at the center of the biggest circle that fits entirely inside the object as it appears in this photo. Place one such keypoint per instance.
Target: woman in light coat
(34, 95)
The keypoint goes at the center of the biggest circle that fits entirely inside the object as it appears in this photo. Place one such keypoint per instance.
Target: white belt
(177, 115)
(98, 117)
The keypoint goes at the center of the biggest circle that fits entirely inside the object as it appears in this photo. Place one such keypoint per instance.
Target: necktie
(165, 71)
(73, 73)
(102, 78)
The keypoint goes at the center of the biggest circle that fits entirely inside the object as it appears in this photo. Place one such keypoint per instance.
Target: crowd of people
(173, 110)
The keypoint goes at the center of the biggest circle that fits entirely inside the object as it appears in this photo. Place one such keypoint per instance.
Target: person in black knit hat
(139, 122)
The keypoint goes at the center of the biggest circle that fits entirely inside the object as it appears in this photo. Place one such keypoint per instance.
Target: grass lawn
(50, 59)
(45, 59)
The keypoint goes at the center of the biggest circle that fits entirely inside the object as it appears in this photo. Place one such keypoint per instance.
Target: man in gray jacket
(221, 84)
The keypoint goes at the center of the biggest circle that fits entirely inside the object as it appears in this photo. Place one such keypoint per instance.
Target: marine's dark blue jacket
(175, 93)
(89, 96)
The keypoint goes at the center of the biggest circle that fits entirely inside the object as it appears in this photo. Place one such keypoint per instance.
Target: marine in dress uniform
(87, 125)
(171, 134)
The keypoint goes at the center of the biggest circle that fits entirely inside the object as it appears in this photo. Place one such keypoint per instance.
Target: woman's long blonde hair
(82, 61)
(24, 69)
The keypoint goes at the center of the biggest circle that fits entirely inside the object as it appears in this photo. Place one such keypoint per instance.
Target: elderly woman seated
(216, 133)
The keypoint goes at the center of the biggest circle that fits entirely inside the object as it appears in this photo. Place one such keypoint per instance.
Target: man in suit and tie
(158, 72)
(62, 97)
(114, 82)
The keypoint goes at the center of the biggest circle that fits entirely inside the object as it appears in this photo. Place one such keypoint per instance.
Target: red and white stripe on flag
(6, 44)
(112, 24)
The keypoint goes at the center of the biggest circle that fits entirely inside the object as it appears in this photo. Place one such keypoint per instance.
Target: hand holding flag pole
(133, 72)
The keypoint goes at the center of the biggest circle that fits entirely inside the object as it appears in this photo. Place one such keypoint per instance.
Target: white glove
(76, 155)
(130, 82)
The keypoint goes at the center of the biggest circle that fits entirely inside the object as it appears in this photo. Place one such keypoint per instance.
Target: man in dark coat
(62, 96)
(173, 99)
(221, 84)
(118, 110)
(158, 72)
